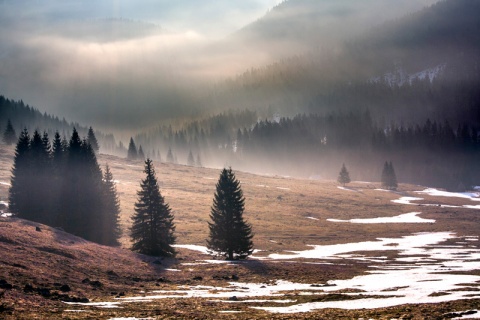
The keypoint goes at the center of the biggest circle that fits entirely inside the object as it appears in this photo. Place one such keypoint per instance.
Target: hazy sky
(212, 18)
(70, 59)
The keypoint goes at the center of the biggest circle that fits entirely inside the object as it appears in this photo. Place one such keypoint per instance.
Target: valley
(319, 253)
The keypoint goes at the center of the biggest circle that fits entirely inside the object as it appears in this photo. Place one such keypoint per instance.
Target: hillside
(41, 267)
(24, 116)
(295, 26)
(328, 79)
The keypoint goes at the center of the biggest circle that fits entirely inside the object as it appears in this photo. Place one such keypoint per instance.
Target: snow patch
(312, 218)
(474, 196)
(411, 217)
(193, 247)
(282, 188)
(346, 189)
(408, 245)
(421, 273)
(5, 183)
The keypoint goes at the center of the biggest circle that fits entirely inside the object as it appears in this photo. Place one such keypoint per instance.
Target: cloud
(124, 62)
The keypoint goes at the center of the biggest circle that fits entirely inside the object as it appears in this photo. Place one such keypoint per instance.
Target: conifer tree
(111, 210)
(93, 140)
(198, 163)
(57, 152)
(230, 235)
(132, 150)
(152, 229)
(40, 179)
(82, 191)
(389, 178)
(343, 176)
(190, 159)
(141, 154)
(18, 194)
(9, 135)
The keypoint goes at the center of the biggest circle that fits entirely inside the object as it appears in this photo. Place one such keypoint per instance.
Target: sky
(211, 19)
(104, 63)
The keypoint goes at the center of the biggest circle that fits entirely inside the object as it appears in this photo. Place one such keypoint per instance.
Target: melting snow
(434, 192)
(439, 193)
(193, 247)
(407, 200)
(347, 189)
(420, 274)
(408, 245)
(411, 217)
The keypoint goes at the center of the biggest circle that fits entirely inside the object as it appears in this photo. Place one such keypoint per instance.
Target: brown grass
(277, 207)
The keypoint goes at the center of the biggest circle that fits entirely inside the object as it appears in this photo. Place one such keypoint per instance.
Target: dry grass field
(287, 215)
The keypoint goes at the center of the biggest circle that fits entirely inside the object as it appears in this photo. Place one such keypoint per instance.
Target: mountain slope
(294, 26)
(446, 33)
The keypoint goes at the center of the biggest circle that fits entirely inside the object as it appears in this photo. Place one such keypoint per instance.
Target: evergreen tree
(389, 178)
(141, 154)
(343, 176)
(111, 210)
(92, 140)
(153, 227)
(198, 163)
(9, 135)
(190, 159)
(18, 194)
(230, 235)
(40, 179)
(132, 150)
(82, 191)
(57, 152)
(170, 157)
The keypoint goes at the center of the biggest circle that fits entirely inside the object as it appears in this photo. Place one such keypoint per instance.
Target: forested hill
(23, 116)
(381, 70)
(296, 25)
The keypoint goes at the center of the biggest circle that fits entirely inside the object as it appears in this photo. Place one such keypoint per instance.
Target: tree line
(60, 183)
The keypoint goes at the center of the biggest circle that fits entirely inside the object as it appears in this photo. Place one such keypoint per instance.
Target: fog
(124, 65)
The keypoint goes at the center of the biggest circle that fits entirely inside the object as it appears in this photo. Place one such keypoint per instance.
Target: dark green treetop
(230, 235)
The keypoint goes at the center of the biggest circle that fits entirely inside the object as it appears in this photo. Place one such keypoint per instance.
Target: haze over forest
(260, 85)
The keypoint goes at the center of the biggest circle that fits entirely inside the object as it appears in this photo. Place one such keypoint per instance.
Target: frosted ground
(424, 268)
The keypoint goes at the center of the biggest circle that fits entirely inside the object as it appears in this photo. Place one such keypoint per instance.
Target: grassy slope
(50, 258)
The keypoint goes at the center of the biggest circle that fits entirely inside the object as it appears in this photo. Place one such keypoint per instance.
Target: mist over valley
(245, 159)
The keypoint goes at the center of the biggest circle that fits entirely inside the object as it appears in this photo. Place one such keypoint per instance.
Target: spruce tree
(190, 159)
(343, 176)
(230, 235)
(152, 229)
(132, 150)
(92, 140)
(389, 178)
(82, 191)
(141, 154)
(9, 135)
(18, 194)
(198, 163)
(110, 211)
(393, 177)
(40, 179)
